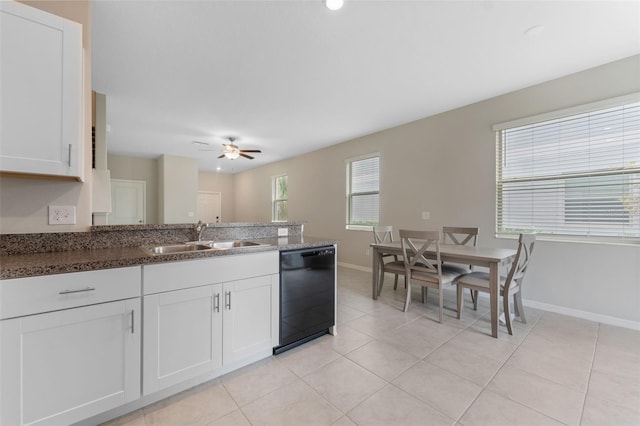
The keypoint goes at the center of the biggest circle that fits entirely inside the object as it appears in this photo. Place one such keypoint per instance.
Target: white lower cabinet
(249, 326)
(69, 345)
(208, 317)
(182, 336)
(64, 366)
(75, 346)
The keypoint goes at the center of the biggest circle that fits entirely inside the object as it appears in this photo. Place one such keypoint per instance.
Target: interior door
(209, 207)
(128, 202)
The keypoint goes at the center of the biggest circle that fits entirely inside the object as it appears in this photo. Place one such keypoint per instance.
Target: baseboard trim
(591, 316)
(356, 267)
(604, 319)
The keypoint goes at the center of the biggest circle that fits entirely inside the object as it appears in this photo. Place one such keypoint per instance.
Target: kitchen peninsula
(113, 246)
(102, 327)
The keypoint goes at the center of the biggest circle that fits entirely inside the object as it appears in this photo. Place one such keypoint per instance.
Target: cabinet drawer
(26, 296)
(212, 270)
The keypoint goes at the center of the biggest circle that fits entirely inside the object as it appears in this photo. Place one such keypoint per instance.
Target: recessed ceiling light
(334, 4)
(534, 31)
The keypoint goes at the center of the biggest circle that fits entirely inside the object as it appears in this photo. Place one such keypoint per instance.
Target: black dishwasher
(307, 295)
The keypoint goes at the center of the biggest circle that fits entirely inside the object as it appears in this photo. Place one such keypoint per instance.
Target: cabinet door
(41, 111)
(65, 366)
(182, 336)
(250, 319)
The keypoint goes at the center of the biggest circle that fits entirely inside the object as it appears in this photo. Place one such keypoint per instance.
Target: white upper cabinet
(41, 105)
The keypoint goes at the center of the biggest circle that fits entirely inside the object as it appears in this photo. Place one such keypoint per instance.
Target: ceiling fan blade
(250, 150)
(246, 156)
(221, 156)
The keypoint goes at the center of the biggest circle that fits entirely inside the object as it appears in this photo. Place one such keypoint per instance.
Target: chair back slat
(382, 234)
(460, 235)
(521, 261)
(414, 246)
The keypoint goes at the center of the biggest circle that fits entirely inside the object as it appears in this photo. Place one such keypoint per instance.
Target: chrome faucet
(200, 227)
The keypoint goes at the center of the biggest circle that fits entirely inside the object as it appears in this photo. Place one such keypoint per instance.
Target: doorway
(209, 207)
(128, 198)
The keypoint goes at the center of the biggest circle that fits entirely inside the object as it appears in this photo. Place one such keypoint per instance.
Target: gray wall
(445, 164)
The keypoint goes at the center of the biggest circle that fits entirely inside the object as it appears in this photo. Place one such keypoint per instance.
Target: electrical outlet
(62, 215)
(366, 252)
(283, 232)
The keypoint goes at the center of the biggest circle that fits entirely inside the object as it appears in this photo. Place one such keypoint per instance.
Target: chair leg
(395, 282)
(381, 281)
(475, 300)
(424, 295)
(473, 297)
(441, 303)
(517, 300)
(459, 291)
(507, 313)
(407, 301)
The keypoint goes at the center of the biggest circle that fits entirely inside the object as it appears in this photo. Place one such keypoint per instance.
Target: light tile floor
(386, 367)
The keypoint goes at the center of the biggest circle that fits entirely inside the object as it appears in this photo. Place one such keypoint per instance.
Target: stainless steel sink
(176, 248)
(194, 246)
(221, 245)
(234, 244)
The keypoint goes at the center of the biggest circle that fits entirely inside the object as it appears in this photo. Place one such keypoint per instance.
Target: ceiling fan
(232, 151)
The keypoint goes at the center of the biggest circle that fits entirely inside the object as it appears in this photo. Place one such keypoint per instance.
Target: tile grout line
(593, 359)
(484, 388)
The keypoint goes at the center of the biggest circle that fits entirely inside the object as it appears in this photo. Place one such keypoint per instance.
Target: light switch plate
(426, 215)
(62, 215)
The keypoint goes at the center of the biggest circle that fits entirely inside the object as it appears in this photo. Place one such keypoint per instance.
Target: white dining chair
(511, 285)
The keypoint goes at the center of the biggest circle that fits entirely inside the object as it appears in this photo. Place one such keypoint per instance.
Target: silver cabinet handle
(227, 298)
(133, 316)
(77, 291)
(69, 161)
(216, 303)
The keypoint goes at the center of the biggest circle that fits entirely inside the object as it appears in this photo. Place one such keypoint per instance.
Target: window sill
(359, 228)
(634, 242)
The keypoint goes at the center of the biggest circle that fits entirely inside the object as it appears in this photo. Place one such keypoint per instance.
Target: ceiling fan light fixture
(232, 154)
(334, 4)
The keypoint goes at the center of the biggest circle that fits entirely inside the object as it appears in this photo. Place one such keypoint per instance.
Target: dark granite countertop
(35, 264)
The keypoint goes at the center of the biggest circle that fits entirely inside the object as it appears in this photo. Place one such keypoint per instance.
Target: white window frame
(275, 199)
(349, 194)
(567, 178)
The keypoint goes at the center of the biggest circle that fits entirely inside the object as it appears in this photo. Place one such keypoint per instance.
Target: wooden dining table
(493, 258)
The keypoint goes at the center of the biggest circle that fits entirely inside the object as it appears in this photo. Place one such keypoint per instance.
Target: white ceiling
(290, 77)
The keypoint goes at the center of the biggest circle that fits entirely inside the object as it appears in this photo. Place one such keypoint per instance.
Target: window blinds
(577, 175)
(364, 198)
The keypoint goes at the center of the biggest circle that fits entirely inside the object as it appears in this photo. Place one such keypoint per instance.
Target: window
(280, 196)
(363, 186)
(572, 173)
